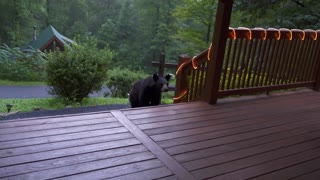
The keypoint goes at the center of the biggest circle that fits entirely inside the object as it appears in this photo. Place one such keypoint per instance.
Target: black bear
(147, 92)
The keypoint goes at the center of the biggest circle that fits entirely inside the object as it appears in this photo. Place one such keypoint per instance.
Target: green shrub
(76, 72)
(120, 81)
(21, 65)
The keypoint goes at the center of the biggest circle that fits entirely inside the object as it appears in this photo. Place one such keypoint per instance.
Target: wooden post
(181, 79)
(217, 54)
(162, 62)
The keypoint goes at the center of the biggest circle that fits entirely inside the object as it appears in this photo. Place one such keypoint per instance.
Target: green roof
(48, 35)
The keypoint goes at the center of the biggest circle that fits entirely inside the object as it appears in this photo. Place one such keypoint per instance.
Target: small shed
(50, 39)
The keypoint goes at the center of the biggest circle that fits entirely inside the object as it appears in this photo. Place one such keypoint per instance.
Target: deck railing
(256, 60)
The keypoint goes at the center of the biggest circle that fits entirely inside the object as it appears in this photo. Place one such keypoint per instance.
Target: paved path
(34, 92)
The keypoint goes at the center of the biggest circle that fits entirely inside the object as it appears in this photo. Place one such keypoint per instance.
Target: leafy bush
(78, 71)
(21, 65)
(120, 81)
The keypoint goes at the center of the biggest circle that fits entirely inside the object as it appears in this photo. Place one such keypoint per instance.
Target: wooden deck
(275, 137)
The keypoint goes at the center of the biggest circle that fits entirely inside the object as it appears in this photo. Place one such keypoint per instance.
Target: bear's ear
(169, 76)
(155, 77)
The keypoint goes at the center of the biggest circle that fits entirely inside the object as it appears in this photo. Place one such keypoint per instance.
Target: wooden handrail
(257, 60)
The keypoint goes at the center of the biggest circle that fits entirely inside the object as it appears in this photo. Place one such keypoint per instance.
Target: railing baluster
(260, 62)
(282, 62)
(246, 63)
(226, 63)
(234, 50)
(242, 62)
(315, 54)
(295, 61)
(235, 71)
(285, 69)
(197, 72)
(254, 61)
(278, 62)
(303, 61)
(270, 60)
(290, 61)
(307, 56)
(251, 61)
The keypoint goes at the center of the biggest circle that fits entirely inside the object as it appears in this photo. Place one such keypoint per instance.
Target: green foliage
(195, 28)
(27, 105)
(276, 13)
(167, 97)
(21, 65)
(76, 72)
(120, 81)
(137, 31)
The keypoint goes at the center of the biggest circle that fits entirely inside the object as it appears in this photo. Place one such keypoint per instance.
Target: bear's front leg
(156, 99)
(144, 99)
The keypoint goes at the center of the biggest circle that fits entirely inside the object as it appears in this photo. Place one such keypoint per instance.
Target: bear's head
(162, 83)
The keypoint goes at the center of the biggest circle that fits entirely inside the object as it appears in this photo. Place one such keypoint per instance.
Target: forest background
(137, 31)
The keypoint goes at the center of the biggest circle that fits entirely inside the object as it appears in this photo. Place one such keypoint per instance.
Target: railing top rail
(255, 33)
(272, 33)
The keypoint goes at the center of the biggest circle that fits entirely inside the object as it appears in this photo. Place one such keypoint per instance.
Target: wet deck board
(275, 137)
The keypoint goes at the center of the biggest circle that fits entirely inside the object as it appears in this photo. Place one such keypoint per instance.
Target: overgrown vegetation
(120, 80)
(21, 65)
(76, 72)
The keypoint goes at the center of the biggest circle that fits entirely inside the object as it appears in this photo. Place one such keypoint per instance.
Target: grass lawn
(26, 105)
(19, 83)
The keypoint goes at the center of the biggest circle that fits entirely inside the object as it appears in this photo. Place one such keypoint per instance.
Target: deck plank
(60, 137)
(67, 152)
(63, 144)
(236, 131)
(268, 108)
(51, 126)
(148, 174)
(73, 159)
(228, 123)
(171, 163)
(253, 150)
(221, 130)
(50, 132)
(309, 176)
(226, 146)
(223, 136)
(269, 167)
(273, 137)
(117, 170)
(291, 171)
(224, 166)
(87, 166)
(49, 120)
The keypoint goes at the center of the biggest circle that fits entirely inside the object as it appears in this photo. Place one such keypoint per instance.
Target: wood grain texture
(275, 137)
(171, 163)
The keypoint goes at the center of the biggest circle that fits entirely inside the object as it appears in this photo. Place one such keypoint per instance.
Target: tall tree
(196, 19)
(278, 13)
(18, 18)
